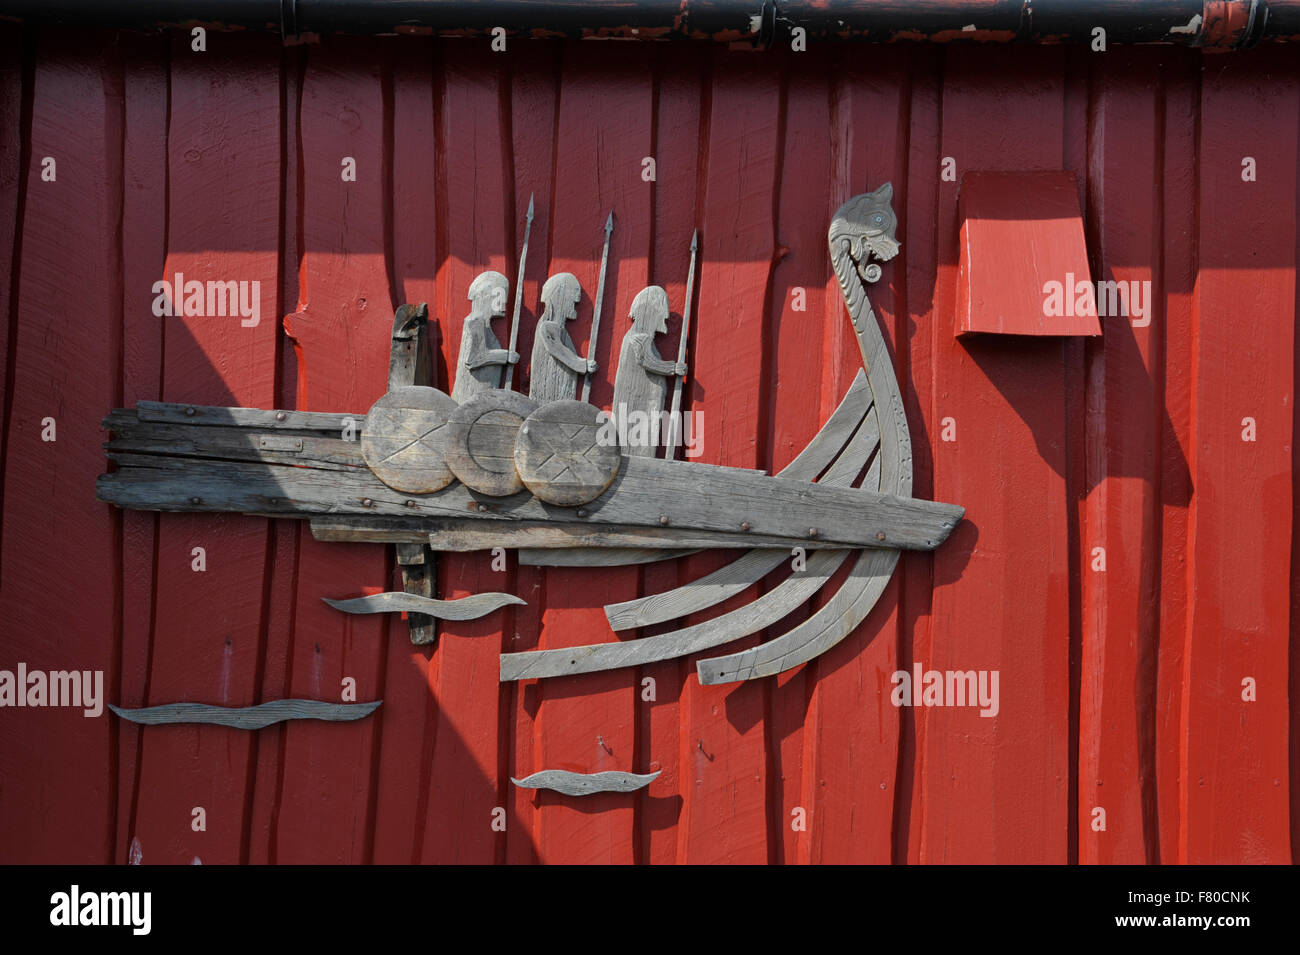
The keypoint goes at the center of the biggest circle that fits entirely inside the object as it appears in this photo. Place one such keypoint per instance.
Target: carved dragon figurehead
(862, 227)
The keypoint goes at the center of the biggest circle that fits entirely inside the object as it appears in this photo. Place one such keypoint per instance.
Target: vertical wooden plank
(1180, 77)
(144, 207)
(222, 226)
(534, 92)
(682, 89)
(586, 723)
(466, 783)
(1235, 774)
(281, 603)
(724, 760)
(1123, 418)
(56, 804)
(996, 788)
(407, 732)
(799, 309)
(850, 779)
(341, 330)
(918, 230)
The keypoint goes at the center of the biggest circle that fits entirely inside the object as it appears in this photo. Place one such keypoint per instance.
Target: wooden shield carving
(481, 441)
(560, 454)
(404, 439)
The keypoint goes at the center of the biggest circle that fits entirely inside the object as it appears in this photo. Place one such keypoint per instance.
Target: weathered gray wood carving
(247, 717)
(481, 356)
(556, 364)
(535, 473)
(641, 383)
(585, 784)
(564, 454)
(481, 441)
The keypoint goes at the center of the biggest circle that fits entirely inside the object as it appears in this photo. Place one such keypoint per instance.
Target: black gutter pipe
(1210, 24)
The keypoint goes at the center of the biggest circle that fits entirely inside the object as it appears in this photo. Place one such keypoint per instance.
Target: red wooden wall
(1120, 688)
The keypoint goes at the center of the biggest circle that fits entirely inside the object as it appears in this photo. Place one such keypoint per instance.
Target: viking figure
(556, 363)
(481, 355)
(642, 379)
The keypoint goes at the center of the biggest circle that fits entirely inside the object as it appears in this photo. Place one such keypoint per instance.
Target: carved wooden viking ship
(502, 470)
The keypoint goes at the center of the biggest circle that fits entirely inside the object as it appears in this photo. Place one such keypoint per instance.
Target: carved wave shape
(466, 608)
(247, 717)
(584, 784)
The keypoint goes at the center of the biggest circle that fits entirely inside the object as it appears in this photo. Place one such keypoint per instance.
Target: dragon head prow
(864, 227)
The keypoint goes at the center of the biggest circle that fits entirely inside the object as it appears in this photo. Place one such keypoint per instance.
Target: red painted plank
(341, 331)
(1180, 72)
(223, 141)
(681, 91)
(849, 783)
(534, 90)
(1235, 778)
(916, 207)
(144, 205)
(56, 802)
(1118, 555)
(587, 723)
(724, 775)
(800, 308)
(996, 788)
(407, 728)
(466, 784)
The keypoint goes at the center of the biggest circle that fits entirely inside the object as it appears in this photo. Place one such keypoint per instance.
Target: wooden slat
(724, 776)
(144, 206)
(1180, 74)
(681, 92)
(60, 811)
(466, 777)
(207, 644)
(652, 493)
(341, 329)
(1118, 679)
(534, 90)
(1010, 434)
(1235, 775)
(588, 723)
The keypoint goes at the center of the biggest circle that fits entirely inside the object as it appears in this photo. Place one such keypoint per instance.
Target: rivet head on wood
(663, 519)
(581, 512)
(366, 502)
(812, 532)
(744, 525)
(410, 504)
(482, 508)
(280, 416)
(196, 500)
(880, 536)
(191, 412)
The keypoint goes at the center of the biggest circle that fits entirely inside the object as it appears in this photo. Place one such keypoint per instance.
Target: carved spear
(519, 296)
(600, 299)
(674, 418)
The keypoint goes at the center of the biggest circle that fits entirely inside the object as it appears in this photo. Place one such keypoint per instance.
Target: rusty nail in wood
(812, 532)
(663, 519)
(744, 525)
(410, 504)
(880, 536)
(280, 416)
(190, 411)
(366, 502)
(482, 508)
